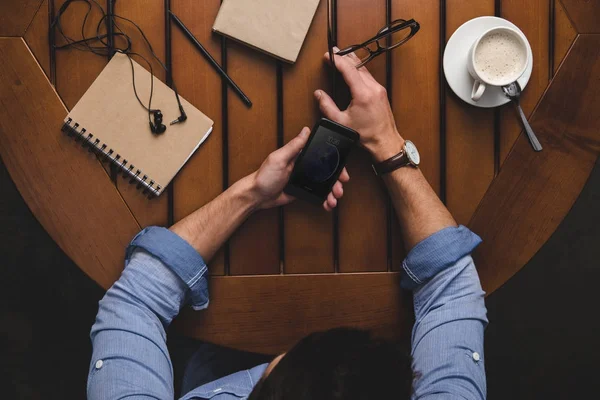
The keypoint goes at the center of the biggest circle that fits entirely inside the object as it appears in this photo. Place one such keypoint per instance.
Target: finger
(285, 199)
(354, 58)
(291, 150)
(326, 206)
(331, 200)
(337, 190)
(328, 107)
(344, 176)
(350, 74)
(363, 71)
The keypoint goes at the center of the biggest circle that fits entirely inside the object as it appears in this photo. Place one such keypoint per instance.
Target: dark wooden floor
(47, 307)
(541, 342)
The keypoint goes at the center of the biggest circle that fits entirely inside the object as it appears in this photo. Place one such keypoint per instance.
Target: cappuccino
(500, 58)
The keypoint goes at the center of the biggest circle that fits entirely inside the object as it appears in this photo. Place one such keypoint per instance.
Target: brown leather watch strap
(391, 164)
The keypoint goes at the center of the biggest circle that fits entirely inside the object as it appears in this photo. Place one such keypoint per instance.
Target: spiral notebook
(109, 120)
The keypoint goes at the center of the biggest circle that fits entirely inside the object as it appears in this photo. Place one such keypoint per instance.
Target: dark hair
(338, 364)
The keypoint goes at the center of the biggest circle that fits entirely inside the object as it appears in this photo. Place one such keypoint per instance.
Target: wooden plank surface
(150, 18)
(532, 17)
(415, 95)
(16, 15)
(415, 80)
(469, 131)
(76, 70)
(564, 34)
(363, 212)
(66, 188)
(585, 14)
(534, 191)
(285, 308)
(252, 137)
(308, 229)
(37, 37)
(201, 179)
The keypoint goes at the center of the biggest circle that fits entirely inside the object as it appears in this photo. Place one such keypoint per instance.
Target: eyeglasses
(388, 38)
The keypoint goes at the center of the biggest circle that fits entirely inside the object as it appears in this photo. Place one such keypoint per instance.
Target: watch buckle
(374, 169)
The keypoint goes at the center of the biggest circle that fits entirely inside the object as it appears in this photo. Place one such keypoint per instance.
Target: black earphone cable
(183, 115)
(149, 108)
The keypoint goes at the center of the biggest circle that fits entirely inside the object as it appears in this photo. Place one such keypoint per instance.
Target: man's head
(346, 364)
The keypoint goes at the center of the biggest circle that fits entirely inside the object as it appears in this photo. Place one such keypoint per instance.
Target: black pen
(212, 61)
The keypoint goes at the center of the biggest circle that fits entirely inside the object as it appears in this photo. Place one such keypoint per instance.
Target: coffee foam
(500, 57)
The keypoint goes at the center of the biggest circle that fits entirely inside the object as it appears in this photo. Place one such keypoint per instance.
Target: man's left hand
(274, 174)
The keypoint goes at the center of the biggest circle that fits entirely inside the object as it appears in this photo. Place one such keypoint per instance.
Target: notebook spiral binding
(94, 145)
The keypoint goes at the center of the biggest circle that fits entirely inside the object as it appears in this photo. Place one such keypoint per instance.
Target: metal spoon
(513, 92)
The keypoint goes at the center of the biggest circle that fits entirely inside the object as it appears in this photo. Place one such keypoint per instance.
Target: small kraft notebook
(276, 27)
(110, 121)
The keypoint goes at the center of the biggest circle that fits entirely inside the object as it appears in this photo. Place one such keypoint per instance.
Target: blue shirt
(163, 273)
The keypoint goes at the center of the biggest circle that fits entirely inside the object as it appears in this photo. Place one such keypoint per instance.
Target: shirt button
(476, 357)
(99, 364)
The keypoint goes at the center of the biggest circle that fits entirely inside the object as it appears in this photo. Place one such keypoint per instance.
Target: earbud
(157, 127)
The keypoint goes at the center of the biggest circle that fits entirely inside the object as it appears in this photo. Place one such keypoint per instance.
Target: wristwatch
(408, 156)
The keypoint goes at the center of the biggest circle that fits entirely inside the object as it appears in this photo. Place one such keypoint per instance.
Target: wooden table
(290, 271)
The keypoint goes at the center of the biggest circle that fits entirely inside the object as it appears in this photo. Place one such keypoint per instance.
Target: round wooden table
(287, 272)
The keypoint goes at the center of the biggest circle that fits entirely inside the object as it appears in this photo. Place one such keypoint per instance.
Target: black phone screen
(323, 159)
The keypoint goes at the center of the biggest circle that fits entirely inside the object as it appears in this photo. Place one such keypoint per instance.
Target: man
(166, 269)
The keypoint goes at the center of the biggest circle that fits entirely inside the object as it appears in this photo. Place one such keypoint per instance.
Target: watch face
(412, 152)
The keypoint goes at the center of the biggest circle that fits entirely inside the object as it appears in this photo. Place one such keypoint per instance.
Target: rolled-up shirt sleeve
(130, 357)
(450, 316)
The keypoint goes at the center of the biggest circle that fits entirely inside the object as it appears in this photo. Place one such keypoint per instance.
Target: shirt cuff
(436, 253)
(179, 256)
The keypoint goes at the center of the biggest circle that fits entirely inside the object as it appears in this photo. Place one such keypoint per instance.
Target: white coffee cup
(498, 57)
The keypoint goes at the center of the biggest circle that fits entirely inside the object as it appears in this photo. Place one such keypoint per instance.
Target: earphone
(157, 127)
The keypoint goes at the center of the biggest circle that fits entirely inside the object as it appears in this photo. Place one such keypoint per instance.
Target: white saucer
(455, 62)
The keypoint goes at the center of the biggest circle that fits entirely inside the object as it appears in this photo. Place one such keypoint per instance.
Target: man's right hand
(369, 112)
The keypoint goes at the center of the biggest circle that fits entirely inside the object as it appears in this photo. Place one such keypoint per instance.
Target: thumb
(327, 106)
(291, 150)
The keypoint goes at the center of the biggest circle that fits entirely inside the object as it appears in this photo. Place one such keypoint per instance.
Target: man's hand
(274, 174)
(369, 112)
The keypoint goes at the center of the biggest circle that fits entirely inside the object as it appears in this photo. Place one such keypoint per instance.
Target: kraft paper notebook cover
(277, 27)
(109, 120)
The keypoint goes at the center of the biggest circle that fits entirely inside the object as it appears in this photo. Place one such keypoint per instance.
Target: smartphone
(322, 160)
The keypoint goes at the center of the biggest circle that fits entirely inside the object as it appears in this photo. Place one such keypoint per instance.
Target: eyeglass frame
(383, 33)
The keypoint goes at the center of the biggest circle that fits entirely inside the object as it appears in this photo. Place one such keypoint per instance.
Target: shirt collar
(237, 385)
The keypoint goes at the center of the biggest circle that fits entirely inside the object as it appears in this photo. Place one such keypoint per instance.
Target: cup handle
(478, 90)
